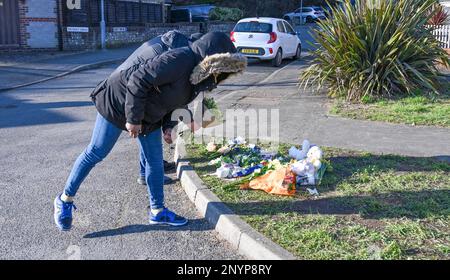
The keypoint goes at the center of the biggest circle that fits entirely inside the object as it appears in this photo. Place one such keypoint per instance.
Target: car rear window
(253, 27)
(317, 9)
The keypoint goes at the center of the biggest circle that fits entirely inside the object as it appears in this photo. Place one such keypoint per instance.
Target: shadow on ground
(24, 112)
(413, 205)
(193, 225)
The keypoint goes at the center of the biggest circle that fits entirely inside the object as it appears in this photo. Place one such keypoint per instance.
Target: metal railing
(442, 34)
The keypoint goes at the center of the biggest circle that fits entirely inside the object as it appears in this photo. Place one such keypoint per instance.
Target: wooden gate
(9, 23)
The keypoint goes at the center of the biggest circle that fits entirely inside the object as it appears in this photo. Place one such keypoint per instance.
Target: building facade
(58, 24)
(28, 24)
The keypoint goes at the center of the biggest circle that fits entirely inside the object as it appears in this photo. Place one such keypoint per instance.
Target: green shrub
(226, 14)
(377, 48)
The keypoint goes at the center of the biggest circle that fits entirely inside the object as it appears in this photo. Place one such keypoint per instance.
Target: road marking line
(271, 76)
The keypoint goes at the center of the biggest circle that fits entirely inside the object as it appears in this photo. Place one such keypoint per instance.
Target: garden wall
(89, 38)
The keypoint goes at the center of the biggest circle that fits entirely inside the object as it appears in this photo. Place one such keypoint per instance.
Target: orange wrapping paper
(279, 182)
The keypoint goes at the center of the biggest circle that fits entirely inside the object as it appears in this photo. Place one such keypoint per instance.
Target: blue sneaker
(63, 214)
(167, 217)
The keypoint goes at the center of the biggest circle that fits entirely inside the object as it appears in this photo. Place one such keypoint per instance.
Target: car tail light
(270, 50)
(273, 38)
(232, 36)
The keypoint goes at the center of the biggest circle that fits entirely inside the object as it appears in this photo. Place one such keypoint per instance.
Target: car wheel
(298, 54)
(276, 62)
(309, 19)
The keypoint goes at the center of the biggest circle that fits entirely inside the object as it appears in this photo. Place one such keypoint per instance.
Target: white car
(266, 39)
(308, 14)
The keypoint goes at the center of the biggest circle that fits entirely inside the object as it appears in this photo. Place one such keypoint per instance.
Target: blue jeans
(142, 163)
(104, 137)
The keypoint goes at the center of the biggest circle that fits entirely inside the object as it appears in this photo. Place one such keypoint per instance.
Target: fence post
(102, 24)
(447, 31)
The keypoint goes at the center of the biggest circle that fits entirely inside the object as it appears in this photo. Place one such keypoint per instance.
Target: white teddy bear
(309, 161)
(314, 156)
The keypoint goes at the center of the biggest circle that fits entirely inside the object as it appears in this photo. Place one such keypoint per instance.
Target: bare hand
(168, 136)
(134, 130)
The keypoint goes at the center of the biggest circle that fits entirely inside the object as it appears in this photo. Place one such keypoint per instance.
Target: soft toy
(300, 154)
(315, 153)
(309, 161)
(314, 156)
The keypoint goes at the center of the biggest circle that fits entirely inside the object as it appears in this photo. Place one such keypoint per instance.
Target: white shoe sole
(153, 223)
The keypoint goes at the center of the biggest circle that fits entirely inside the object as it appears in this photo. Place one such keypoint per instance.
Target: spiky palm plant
(439, 16)
(376, 48)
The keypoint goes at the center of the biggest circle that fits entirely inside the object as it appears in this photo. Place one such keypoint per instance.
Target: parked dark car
(193, 13)
(180, 15)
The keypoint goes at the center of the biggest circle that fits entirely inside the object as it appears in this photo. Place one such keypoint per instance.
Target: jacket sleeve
(145, 81)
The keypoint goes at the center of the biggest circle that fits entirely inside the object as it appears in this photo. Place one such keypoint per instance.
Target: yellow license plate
(250, 51)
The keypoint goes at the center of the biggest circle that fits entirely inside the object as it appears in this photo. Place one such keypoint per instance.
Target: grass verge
(418, 110)
(370, 207)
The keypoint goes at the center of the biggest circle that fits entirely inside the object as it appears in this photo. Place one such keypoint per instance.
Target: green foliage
(226, 14)
(376, 49)
(210, 103)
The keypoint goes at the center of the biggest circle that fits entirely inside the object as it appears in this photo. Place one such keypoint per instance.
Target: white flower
(211, 147)
(214, 161)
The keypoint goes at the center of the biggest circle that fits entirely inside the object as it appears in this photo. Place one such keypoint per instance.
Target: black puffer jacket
(154, 47)
(149, 92)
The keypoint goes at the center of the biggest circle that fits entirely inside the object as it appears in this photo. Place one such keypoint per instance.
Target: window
(254, 27)
(280, 27)
(117, 13)
(289, 28)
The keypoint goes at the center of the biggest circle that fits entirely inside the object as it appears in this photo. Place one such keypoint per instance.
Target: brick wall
(133, 34)
(225, 27)
(38, 25)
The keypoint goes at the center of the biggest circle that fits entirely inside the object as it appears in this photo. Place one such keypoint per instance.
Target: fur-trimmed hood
(215, 55)
(221, 63)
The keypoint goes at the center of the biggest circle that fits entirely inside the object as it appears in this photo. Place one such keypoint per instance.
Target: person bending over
(140, 100)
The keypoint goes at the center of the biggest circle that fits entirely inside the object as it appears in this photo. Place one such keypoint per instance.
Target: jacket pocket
(99, 88)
